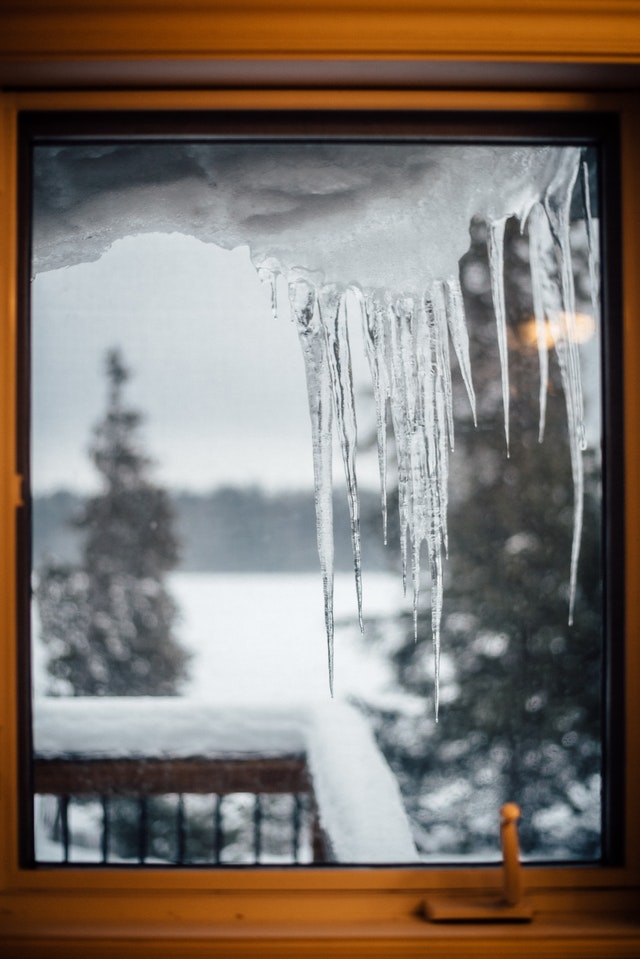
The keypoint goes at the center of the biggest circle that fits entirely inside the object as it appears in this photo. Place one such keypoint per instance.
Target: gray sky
(219, 379)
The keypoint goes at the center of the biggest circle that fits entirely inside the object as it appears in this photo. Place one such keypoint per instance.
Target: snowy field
(261, 637)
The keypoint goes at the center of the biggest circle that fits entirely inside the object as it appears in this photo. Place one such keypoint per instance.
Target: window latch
(510, 906)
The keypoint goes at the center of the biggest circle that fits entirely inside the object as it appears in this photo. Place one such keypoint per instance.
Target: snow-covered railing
(358, 802)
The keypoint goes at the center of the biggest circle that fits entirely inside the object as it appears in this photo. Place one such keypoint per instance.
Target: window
(343, 903)
(172, 255)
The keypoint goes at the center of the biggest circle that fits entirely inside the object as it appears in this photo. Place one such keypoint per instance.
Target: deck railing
(107, 782)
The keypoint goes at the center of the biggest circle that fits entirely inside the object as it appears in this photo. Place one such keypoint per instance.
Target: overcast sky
(220, 380)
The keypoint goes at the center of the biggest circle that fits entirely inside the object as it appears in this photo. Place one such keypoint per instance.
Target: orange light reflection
(585, 328)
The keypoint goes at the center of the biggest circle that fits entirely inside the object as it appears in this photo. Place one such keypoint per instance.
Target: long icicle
(394, 357)
(333, 315)
(557, 205)
(436, 402)
(441, 351)
(373, 336)
(592, 243)
(316, 363)
(538, 278)
(496, 266)
(418, 505)
(460, 337)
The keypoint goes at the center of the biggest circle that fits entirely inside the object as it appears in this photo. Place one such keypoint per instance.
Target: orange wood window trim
(496, 29)
(44, 912)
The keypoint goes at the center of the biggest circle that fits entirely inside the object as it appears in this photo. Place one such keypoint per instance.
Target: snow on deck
(358, 799)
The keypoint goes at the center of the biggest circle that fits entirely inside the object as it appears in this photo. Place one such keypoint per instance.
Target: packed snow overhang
(327, 207)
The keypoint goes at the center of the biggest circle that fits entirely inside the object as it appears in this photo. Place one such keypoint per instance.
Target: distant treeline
(232, 529)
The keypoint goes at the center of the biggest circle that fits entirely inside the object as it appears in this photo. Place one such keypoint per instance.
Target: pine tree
(109, 624)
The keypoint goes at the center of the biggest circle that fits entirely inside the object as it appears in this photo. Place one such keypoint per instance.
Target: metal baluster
(143, 823)
(105, 828)
(63, 812)
(297, 822)
(181, 830)
(317, 837)
(218, 835)
(257, 827)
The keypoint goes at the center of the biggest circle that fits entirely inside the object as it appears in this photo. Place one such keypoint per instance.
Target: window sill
(585, 925)
(563, 937)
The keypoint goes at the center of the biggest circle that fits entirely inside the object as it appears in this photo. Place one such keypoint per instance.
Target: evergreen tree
(108, 624)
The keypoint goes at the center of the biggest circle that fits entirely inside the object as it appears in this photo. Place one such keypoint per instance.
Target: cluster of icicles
(407, 340)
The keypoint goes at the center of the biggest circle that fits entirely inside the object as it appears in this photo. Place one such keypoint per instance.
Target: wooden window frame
(579, 911)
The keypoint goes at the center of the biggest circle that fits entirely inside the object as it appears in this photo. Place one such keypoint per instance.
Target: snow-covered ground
(261, 637)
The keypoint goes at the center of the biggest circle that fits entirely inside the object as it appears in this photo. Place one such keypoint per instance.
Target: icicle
(537, 278)
(270, 276)
(421, 412)
(333, 314)
(316, 362)
(557, 307)
(561, 334)
(397, 357)
(441, 357)
(441, 415)
(433, 354)
(592, 243)
(373, 335)
(419, 500)
(557, 205)
(496, 264)
(460, 337)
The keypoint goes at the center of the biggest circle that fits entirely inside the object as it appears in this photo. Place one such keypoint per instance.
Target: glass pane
(235, 344)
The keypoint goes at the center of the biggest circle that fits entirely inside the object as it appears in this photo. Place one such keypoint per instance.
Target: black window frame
(599, 129)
